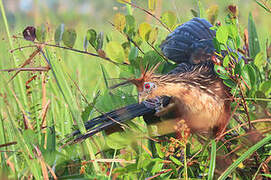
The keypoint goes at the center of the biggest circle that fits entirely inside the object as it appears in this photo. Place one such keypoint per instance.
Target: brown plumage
(198, 97)
(191, 93)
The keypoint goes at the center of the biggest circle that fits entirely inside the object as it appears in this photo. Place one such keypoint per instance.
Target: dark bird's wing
(110, 120)
(191, 42)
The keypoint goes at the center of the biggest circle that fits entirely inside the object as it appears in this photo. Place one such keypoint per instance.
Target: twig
(160, 54)
(27, 69)
(149, 13)
(158, 174)
(128, 38)
(80, 51)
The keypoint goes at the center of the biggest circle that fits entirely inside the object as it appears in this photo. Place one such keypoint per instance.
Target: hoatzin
(191, 93)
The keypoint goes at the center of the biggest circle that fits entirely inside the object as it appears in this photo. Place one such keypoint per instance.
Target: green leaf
(151, 36)
(158, 165)
(92, 38)
(169, 18)
(143, 29)
(159, 151)
(124, 1)
(266, 87)
(117, 140)
(239, 67)
(152, 4)
(230, 83)
(253, 40)
(249, 75)
(69, 37)
(261, 95)
(100, 40)
(176, 161)
(243, 157)
(267, 175)
(222, 34)
(51, 139)
(87, 111)
(226, 61)
(221, 71)
(259, 60)
(41, 33)
(202, 13)
(59, 33)
(119, 21)
(115, 51)
(212, 13)
(30, 137)
(212, 161)
(130, 25)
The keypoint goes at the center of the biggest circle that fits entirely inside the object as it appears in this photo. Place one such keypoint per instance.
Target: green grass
(37, 152)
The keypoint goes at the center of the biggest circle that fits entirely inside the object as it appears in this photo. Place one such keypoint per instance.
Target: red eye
(147, 86)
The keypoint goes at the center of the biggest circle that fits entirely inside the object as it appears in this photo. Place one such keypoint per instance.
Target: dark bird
(191, 93)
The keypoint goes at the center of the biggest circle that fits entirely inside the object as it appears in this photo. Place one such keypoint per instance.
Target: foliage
(33, 139)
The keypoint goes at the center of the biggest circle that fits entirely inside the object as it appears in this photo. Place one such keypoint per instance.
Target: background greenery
(36, 152)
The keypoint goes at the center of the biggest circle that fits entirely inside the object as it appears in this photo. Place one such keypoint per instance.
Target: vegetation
(51, 86)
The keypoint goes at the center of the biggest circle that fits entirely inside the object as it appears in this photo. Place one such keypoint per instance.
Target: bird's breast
(202, 111)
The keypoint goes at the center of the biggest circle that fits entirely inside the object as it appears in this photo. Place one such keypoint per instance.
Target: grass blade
(212, 161)
(243, 157)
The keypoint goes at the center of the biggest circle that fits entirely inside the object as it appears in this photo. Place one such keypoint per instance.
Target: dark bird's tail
(191, 42)
(109, 121)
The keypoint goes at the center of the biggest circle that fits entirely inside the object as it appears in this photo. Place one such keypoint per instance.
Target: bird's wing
(119, 116)
(191, 42)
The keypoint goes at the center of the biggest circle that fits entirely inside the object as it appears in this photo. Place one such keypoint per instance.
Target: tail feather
(179, 46)
(112, 118)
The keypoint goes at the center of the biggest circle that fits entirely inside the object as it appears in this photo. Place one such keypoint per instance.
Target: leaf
(226, 61)
(169, 18)
(212, 13)
(266, 87)
(29, 33)
(230, 83)
(92, 38)
(115, 51)
(130, 25)
(222, 34)
(41, 33)
(143, 29)
(261, 95)
(249, 75)
(87, 111)
(100, 40)
(159, 151)
(221, 71)
(194, 13)
(151, 36)
(202, 13)
(259, 60)
(267, 175)
(212, 161)
(85, 43)
(152, 4)
(51, 139)
(119, 21)
(176, 161)
(117, 140)
(69, 37)
(244, 156)
(124, 1)
(59, 33)
(253, 40)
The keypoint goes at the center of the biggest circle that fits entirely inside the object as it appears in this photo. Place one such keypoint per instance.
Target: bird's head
(146, 84)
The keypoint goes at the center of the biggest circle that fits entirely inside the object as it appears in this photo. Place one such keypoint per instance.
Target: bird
(190, 94)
